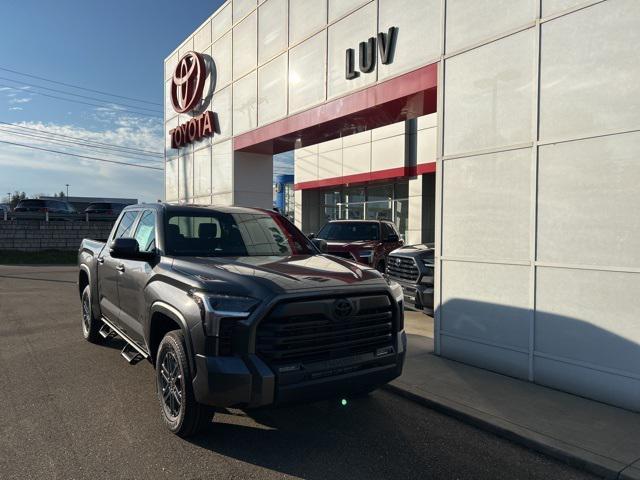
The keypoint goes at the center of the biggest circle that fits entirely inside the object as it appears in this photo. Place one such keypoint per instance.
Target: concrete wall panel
(489, 95)
(595, 45)
(486, 205)
(589, 199)
(488, 302)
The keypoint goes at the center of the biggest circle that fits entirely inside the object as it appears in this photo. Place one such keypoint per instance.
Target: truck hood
(421, 250)
(278, 274)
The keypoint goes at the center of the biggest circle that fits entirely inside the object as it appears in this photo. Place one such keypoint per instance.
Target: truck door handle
(120, 268)
(100, 260)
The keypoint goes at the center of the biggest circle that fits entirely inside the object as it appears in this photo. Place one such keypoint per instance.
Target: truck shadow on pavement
(321, 440)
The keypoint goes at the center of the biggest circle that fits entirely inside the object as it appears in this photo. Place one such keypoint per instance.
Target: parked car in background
(365, 241)
(235, 307)
(43, 206)
(104, 208)
(413, 267)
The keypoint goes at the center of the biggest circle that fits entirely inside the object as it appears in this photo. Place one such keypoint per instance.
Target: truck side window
(124, 228)
(146, 231)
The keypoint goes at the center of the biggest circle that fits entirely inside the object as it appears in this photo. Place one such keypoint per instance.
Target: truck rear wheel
(90, 325)
(180, 411)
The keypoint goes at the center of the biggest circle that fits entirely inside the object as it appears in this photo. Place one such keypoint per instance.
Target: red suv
(365, 241)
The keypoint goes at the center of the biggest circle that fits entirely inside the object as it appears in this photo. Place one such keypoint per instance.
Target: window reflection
(384, 201)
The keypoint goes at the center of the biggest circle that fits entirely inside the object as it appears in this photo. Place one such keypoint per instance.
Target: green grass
(46, 257)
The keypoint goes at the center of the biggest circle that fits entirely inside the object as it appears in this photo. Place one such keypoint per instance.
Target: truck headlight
(214, 308)
(396, 290)
(428, 273)
(366, 255)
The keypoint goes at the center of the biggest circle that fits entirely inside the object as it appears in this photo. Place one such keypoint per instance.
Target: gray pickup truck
(236, 307)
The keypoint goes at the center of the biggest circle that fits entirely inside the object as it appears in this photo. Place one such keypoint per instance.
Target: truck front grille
(402, 268)
(309, 331)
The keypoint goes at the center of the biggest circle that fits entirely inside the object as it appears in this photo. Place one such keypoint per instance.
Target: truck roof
(177, 208)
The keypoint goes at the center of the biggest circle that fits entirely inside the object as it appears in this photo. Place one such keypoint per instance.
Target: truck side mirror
(128, 249)
(311, 236)
(393, 238)
(320, 244)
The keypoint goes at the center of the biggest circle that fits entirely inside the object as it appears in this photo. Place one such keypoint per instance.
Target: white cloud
(16, 108)
(20, 100)
(36, 170)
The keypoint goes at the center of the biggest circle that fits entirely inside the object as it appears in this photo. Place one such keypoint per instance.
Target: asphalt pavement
(73, 410)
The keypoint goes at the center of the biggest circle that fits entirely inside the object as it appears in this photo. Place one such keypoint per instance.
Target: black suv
(412, 267)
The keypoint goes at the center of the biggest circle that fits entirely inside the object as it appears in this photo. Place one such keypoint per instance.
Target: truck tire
(180, 412)
(90, 325)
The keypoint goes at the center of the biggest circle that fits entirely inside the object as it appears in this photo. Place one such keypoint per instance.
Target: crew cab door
(134, 278)
(109, 270)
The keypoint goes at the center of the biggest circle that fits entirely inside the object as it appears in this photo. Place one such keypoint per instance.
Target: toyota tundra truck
(235, 307)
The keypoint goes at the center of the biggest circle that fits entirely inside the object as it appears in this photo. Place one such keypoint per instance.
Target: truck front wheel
(90, 325)
(180, 411)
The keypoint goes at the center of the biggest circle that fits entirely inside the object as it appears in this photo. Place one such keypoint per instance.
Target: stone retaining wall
(33, 236)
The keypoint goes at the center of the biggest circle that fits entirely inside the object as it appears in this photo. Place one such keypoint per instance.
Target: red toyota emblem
(188, 82)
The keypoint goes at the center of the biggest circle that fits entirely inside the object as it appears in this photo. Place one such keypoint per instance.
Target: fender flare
(86, 269)
(173, 313)
(95, 302)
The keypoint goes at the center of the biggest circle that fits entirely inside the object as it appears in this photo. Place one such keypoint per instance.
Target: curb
(570, 454)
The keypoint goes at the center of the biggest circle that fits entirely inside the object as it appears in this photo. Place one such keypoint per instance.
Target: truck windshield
(351, 231)
(219, 234)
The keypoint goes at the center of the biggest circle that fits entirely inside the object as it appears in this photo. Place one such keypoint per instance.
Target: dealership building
(505, 131)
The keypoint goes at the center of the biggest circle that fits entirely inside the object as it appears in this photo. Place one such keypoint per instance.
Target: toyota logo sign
(343, 308)
(188, 82)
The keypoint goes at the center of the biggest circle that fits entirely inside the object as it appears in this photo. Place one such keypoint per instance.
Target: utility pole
(67, 189)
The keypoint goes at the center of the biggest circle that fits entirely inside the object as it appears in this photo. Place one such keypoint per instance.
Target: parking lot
(71, 409)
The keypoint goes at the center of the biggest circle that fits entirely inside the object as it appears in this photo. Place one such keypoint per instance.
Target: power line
(79, 87)
(80, 141)
(146, 152)
(79, 101)
(81, 156)
(70, 143)
(77, 95)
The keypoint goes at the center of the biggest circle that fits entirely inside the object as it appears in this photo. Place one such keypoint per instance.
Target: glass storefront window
(332, 197)
(401, 215)
(371, 202)
(354, 194)
(379, 193)
(401, 190)
(330, 213)
(354, 211)
(379, 210)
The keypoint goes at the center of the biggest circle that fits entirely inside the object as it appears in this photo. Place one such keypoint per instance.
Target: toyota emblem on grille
(343, 308)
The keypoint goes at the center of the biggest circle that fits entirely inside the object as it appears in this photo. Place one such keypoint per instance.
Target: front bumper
(418, 296)
(247, 381)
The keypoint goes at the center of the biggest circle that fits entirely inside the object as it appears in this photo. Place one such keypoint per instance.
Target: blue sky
(116, 47)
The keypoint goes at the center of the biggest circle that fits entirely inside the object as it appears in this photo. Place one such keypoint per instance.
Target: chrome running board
(127, 352)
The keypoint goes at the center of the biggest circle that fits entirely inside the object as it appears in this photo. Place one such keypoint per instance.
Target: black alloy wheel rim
(170, 383)
(86, 314)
